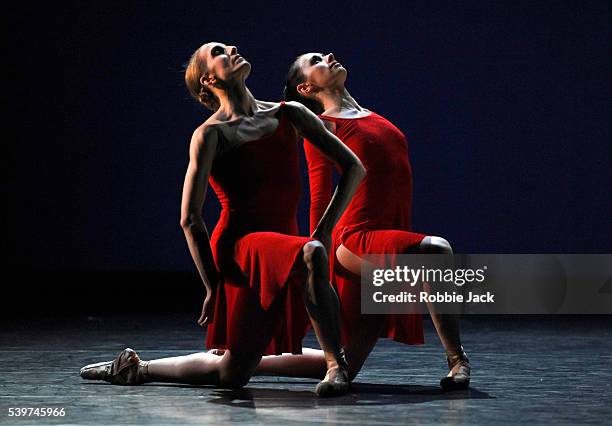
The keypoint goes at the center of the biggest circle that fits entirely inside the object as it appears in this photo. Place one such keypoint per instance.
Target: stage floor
(525, 370)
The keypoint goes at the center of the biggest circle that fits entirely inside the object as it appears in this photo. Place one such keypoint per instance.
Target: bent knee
(233, 378)
(314, 251)
(236, 369)
(435, 245)
(233, 382)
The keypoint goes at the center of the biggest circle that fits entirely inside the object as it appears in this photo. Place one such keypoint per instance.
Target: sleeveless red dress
(378, 218)
(255, 246)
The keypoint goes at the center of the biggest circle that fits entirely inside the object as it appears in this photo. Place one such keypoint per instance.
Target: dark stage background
(506, 106)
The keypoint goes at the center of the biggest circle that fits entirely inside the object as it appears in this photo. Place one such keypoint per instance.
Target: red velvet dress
(378, 218)
(255, 246)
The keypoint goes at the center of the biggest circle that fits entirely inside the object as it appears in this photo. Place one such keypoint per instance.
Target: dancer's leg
(232, 370)
(362, 342)
(322, 305)
(237, 363)
(323, 309)
(247, 343)
(251, 330)
(202, 368)
(311, 363)
(363, 330)
(447, 325)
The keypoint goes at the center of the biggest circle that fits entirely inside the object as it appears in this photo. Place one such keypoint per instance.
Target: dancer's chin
(243, 67)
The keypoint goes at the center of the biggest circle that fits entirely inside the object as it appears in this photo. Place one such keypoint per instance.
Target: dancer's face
(321, 72)
(224, 63)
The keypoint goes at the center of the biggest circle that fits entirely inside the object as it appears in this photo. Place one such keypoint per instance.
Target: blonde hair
(193, 72)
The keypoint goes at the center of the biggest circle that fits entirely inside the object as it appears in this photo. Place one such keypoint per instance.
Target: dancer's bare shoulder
(205, 137)
(301, 116)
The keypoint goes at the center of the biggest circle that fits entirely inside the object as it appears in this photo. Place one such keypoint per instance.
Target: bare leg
(198, 368)
(323, 308)
(324, 311)
(235, 367)
(312, 362)
(362, 343)
(447, 325)
(229, 370)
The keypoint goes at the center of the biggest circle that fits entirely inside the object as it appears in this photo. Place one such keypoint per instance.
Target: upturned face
(320, 71)
(223, 62)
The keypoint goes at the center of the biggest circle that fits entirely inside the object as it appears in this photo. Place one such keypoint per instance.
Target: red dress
(378, 218)
(255, 246)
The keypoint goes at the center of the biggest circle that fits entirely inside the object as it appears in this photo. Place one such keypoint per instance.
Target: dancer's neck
(339, 101)
(236, 101)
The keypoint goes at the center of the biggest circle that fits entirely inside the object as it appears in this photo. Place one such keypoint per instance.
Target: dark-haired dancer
(262, 281)
(377, 220)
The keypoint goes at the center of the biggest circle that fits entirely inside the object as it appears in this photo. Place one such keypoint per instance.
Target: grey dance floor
(526, 370)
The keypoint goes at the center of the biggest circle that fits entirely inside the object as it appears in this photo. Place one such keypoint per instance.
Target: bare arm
(351, 168)
(201, 155)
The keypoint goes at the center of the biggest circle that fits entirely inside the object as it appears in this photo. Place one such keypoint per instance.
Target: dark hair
(295, 76)
(193, 71)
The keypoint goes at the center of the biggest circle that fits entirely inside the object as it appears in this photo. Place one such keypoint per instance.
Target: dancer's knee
(234, 380)
(436, 245)
(233, 377)
(235, 371)
(315, 255)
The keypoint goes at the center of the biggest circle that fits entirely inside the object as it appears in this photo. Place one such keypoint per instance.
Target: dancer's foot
(459, 376)
(126, 369)
(335, 383)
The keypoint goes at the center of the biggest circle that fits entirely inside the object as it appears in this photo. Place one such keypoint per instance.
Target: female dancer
(254, 264)
(377, 220)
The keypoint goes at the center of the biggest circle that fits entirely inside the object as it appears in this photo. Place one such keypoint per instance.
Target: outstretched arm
(201, 155)
(311, 127)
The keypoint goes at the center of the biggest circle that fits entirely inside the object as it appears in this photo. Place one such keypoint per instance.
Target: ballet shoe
(459, 376)
(126, 369)
(335, 383)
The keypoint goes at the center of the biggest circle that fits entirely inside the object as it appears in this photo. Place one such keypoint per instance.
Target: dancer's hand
(208, 309)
